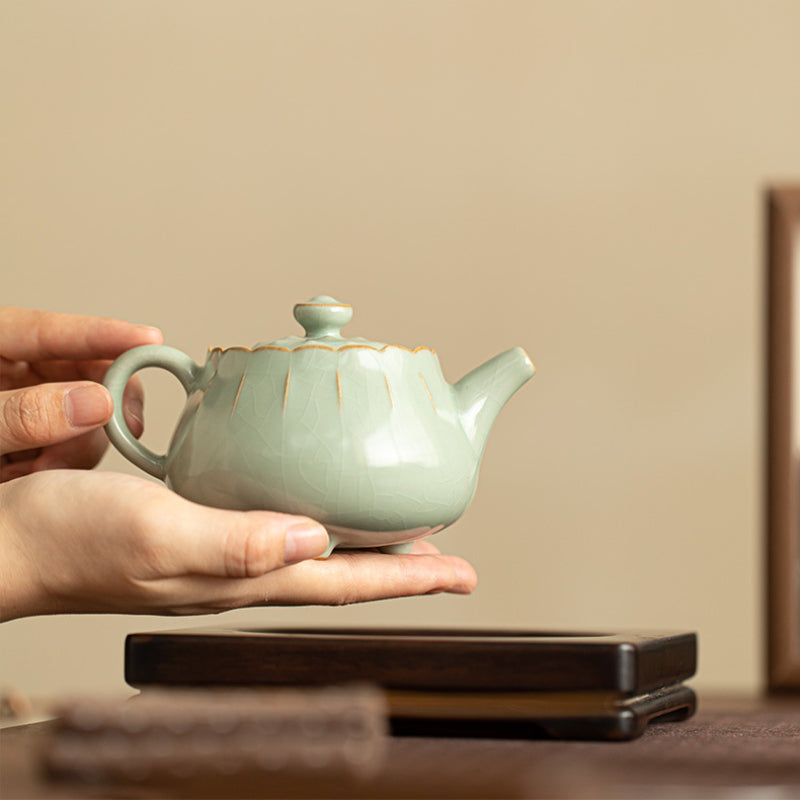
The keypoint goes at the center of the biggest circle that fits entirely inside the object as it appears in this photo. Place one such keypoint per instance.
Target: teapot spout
(484, 391)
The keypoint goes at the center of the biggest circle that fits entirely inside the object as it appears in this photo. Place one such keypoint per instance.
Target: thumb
(241, 544)
(49, 413)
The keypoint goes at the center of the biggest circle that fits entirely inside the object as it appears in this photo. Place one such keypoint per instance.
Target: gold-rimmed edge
(323, 305)
(420, 349)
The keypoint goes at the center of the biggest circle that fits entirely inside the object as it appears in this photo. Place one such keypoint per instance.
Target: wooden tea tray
(447, 682)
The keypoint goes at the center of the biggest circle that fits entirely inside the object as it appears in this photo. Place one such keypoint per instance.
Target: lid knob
(322, 316)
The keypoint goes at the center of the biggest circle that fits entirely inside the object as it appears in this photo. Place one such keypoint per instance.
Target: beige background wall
(581, 178)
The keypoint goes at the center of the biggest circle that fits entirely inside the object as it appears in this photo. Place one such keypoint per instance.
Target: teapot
(367, 438)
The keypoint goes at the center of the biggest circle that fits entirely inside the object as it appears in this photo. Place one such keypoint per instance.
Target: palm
(102, 541)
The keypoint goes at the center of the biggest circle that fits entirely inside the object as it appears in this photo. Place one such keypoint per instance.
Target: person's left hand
(52, 406)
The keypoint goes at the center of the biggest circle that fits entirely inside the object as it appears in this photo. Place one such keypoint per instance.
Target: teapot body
(367, 438)
(369, 442)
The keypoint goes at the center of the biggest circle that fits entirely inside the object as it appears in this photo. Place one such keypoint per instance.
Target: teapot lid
(323, 317)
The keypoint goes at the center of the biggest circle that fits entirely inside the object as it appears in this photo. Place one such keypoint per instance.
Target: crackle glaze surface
(358, 441)
(367, 438)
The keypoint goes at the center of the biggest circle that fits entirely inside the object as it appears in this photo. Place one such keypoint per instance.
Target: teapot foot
(332, 542)
(342, 538)
(391, 549)
(397, 549)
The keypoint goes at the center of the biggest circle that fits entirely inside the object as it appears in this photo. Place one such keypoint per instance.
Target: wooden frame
(439, 682)
(783, 438)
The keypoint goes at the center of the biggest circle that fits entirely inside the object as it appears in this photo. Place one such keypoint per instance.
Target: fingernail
(87, 405)
(150, 332)
(304, 540)
(465, 579)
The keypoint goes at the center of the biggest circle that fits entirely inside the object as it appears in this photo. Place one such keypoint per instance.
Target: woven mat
(752, 753)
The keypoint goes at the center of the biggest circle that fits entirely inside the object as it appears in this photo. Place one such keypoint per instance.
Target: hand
(74, 541)
(52, 406)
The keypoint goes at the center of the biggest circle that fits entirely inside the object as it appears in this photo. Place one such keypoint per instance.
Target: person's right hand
(78, 541)
(52, 406)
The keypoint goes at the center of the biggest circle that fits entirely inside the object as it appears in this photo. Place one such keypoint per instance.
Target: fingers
(31, 335)
(83, 452)
(51, 413)
(15, 469)
(133, 406)
(16, 374)
(231, 544)
(358, 577)
(341, 579)
(215, 559)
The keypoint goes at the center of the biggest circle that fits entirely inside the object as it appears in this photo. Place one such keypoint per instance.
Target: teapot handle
(117, 377)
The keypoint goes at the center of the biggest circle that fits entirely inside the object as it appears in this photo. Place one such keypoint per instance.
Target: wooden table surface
(733, 747)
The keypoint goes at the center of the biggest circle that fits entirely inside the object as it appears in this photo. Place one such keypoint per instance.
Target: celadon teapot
(367, 438)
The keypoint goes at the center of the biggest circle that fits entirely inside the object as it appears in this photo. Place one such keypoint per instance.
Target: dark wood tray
(527, 715)
(423, 659)
(511, 684)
